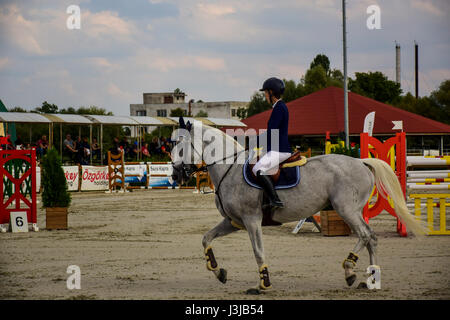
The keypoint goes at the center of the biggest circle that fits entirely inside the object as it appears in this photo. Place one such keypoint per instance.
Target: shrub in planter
(55, 196)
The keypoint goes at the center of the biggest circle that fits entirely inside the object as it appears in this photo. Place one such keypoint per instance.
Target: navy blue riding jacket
(279, 119)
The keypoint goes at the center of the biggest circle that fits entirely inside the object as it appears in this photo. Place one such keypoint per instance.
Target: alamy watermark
(374, 20)
(210, 145)
(74, 280)
(74, 20)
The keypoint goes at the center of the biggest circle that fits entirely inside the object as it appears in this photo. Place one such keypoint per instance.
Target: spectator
(165, 148)
(19, 143)
(79, 151)
(144, 150)
(86, 151)
(154, 145)
(115, 149)
(124, 146)
(42, 146)
(95, 149)
(133, 150)
(69, 147)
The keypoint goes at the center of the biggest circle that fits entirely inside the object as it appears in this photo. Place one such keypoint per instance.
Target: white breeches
(268, 164)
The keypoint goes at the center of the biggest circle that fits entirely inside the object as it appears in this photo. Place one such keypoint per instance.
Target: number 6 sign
(19, 221)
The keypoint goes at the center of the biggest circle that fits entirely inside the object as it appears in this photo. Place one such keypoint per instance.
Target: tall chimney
(397, 63)
(416, 50)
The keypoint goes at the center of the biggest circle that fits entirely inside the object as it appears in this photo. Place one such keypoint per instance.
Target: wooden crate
(56, 218)
(333, 225)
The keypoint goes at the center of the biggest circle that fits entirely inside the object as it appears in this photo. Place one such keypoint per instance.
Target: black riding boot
(267, 184)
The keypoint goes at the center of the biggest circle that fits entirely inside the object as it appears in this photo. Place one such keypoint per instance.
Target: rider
(279, 119)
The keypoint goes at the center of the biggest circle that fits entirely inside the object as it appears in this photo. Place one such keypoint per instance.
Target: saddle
(287, 176)
(296, 160)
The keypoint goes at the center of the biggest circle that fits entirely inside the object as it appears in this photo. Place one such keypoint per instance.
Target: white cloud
(215, 9)
(429, 7)
(22, 33)
(105, 22)
(3, 62)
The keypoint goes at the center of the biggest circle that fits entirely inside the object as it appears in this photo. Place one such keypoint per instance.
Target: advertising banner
(165, 169)
(72, 177)
(94, 178)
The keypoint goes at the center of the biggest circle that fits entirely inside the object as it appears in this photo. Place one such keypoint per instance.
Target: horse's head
(182, 161)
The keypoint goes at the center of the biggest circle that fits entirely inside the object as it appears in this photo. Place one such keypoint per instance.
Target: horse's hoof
(362, 285)
(253, 291)
(350, 280)
(222, 275)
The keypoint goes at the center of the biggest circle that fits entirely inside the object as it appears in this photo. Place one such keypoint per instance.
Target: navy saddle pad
(289, 177)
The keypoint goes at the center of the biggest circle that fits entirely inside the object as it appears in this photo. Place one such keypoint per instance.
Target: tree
(241, 113)
(257, 104)
(47, 108)
(178, 112)
(321, 60)
(441, 98)
(375, 85)
(201, 114)
(17, 109)
(292, 90)
(54, 182)
(315, 79)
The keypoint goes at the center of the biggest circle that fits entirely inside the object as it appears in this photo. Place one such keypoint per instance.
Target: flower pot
(56, 218)
(332, 224)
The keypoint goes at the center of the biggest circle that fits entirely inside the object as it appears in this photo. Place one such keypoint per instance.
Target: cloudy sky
(212, 50)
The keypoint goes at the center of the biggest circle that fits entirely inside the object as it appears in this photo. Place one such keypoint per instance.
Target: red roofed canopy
(323, 111)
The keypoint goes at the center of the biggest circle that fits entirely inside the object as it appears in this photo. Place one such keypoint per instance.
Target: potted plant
(55, 196)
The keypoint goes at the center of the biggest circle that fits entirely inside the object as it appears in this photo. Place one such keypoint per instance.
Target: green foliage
(321, 60)
(315, 79)
(178, 112)
(351, 152)
(241, 113)
(201, 114)
(257, 104)
(92, 110)
(375, 85)
(54, 182)
(17, 109)
(292, 90)
(47, 108)
(436, 106)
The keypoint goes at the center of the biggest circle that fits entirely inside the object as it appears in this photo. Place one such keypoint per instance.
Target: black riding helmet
(274, 84)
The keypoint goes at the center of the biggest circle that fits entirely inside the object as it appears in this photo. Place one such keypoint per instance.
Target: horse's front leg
(253, 226)
(222, 229)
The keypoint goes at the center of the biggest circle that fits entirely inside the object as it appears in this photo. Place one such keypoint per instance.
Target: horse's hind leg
(366, 239)
(253, 225)
(222, 229)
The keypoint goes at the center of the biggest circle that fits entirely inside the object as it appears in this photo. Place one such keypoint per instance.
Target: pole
(416, 58)
(60, 141)
(344, 31)
(90, 142)
(101, 143)
(397, 63)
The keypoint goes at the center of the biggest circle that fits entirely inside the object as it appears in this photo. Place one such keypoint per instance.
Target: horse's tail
(387, 181)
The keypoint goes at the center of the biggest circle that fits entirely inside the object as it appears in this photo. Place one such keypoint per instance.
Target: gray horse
(343, 181)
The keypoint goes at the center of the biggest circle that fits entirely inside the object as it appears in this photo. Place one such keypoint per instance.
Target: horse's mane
(239, 147)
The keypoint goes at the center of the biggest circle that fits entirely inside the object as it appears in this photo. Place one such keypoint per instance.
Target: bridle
(205, 167)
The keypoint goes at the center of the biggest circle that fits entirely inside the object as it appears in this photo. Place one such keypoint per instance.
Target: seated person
(42, 146)
(154, 145)
(86, 151)
(133, 151)
(95, 148)
(144, 150)
(69, 147)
